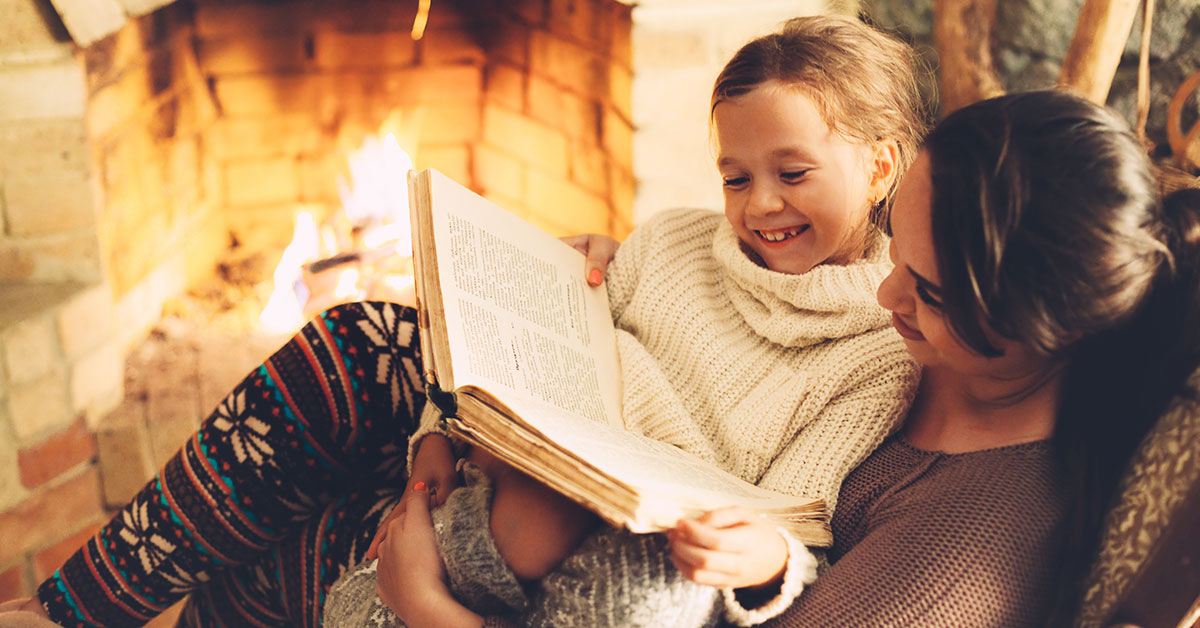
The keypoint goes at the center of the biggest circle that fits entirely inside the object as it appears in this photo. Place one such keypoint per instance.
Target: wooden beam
(1096, 47)
(962, 34)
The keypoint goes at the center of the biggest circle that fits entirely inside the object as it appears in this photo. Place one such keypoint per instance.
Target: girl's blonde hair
(863, 81)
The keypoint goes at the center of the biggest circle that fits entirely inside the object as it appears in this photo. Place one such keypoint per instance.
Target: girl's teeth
(777, 236)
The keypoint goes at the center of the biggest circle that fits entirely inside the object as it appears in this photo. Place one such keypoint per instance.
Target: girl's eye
(733, 182)
(793, 176)
(927, 298)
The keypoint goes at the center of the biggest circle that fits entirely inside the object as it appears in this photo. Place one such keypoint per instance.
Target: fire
(363, 252)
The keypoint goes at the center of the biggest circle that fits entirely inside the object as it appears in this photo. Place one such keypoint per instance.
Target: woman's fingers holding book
(599, 249)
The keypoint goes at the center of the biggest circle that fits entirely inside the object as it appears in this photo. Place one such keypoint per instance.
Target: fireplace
(146, 143)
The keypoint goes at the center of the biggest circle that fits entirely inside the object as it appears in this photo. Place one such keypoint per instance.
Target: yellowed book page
(521, 321)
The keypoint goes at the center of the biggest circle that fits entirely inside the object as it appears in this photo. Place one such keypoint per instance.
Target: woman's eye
(793, 176)
(733, 182)
(927, 298)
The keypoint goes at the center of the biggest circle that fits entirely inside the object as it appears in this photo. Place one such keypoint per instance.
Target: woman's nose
(891, 294)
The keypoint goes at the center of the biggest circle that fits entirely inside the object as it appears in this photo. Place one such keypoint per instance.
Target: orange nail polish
(595, 277)
(419, 486)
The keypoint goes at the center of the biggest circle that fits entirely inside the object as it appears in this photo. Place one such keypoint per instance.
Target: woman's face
(913, 292)
(796, 193)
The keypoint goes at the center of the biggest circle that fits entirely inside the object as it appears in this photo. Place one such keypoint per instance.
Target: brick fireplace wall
(130, 167)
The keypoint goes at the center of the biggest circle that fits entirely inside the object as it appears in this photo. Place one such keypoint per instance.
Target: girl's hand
(433, 465)
(730, 547)
(599, 249)
(411, 576)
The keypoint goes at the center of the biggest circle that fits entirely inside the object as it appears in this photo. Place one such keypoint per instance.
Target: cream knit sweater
(787, 381)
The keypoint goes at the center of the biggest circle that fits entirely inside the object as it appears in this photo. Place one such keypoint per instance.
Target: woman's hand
(730, 547)
(433, 466)
(411, 575)
(599, 250)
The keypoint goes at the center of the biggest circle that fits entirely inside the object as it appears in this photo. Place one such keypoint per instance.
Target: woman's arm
(411, 576)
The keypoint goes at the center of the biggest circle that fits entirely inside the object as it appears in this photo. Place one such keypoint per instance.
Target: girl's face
(912, 292)
(797, 193)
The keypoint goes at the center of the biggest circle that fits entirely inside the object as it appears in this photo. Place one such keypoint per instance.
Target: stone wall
(1031, 37)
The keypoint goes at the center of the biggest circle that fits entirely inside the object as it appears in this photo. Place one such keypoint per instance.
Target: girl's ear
(885, 167)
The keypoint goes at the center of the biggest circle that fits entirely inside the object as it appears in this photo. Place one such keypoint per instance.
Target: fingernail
(595, 277)
(419, 486)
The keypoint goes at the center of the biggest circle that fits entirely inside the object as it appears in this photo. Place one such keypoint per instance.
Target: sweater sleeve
(622, 275)
(430, 424)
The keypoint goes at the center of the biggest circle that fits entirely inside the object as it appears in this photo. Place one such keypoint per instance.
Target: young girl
(754, 340)
(1037, 386)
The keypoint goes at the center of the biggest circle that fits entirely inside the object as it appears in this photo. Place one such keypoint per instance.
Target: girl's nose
(764, 199)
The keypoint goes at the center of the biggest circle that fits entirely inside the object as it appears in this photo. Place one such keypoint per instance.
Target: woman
(1051, 300)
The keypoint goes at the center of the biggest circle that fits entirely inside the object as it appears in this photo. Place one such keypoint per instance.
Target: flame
(283, 313)
(372, 236)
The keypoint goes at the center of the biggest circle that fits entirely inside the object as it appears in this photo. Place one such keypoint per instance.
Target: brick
(85, 320)
(97, 381)
(451, 123)
(621, 43)
(40, 148)
(624, 188)
(50, 205)
(52, 90)
(240, 55)
(618, 136)
(498, 173)
(568, 64)
(73, 256)
(258, 95)
(11, 490)
(40, 406)
(531, 11)
(581, 117)
(262, 181)
(546, 100)
(52, 457)
(450, 45)
(508, 41)
(14, 583)
(453, 160)
(568, 207)
(589, 167)
(505, 85)
(620, 90)
(31, 350)
(225, 19)
(123, 451)
(583, 20)
(48, 560)
(319, 177)
(534, 143)
(168, 434)
(362, 50)
(40, 519)
(287, 134)
(29, 37)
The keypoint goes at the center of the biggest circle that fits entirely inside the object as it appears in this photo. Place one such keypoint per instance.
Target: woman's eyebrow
(928, 285)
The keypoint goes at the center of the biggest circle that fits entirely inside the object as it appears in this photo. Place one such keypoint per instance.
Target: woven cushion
(1148, 568)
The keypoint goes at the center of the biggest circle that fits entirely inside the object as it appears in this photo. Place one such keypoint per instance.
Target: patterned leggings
(280, 490)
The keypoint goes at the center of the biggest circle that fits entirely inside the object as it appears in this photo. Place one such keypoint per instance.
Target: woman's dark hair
(1049, 230)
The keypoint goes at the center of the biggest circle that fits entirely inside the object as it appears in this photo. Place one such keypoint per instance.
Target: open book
(520, 357)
